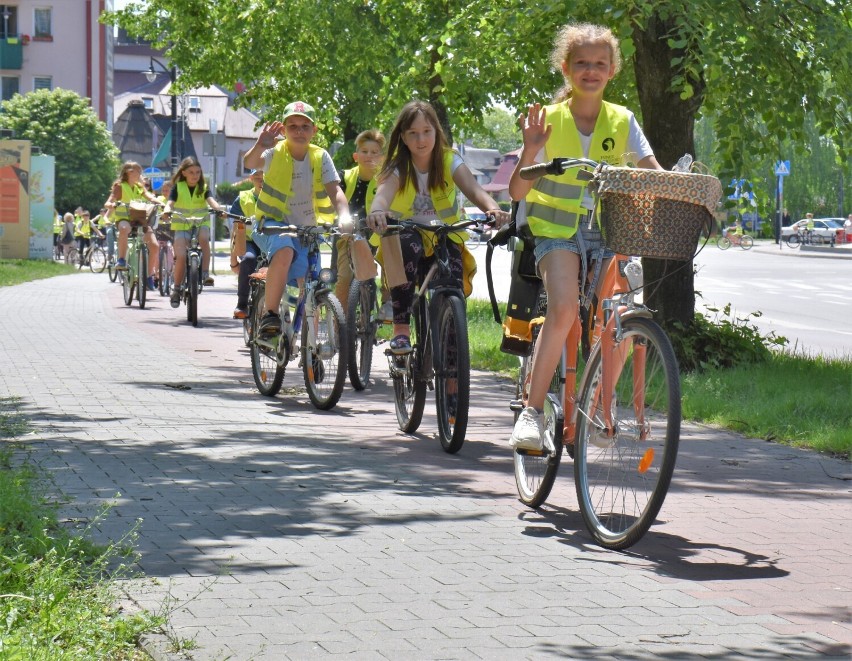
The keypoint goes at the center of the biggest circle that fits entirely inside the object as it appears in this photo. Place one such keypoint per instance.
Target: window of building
(42, 22)
(148, 102)
(194, 103)
(11, 86)
(8, 21)
(43, 83)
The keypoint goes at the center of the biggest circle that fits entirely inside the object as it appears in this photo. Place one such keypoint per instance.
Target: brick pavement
(270, 530)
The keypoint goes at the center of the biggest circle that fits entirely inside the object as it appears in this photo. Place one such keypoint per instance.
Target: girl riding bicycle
(578, 124)
(419, 181)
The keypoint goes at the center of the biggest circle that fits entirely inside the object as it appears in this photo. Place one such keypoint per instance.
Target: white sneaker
(386, 312)
(528, 431)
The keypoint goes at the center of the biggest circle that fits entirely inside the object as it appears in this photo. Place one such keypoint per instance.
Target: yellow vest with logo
(274, 199)
(189, 204)
(350, 178)
(555, 203)
(248, 203)
(128, 194)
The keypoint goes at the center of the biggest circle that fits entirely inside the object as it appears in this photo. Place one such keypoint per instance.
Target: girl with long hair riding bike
(579, 123)
(420, 181)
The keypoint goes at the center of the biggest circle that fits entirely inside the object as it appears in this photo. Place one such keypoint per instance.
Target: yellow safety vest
(57, 225)
(189, 204)
(273, 201)
(350, 178)
(555, 203)
(128, 194)
(248, 203)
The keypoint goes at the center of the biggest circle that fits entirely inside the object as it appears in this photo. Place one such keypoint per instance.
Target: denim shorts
(272, 243)
(184, 235)
(592, 241)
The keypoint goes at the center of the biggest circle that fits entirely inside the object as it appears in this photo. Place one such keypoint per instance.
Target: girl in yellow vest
(419, 181)
(191, 197)
(246, 205)
(129, 188)
(578, 124)
(300, 187)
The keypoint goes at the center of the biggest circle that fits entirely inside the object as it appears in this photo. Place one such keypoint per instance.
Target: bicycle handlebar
(558, 166)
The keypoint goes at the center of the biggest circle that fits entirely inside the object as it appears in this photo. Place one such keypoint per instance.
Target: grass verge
(16, 271)
(57, 589)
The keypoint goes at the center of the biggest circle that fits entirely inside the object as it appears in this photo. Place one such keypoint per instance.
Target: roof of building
(500, 180)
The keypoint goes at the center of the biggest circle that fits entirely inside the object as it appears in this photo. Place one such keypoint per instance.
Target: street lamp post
(151, 75)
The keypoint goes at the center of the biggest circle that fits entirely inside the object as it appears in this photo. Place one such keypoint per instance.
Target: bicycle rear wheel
(72, 257)
(535, 471)
(194, 280)
(622, 478)
(452, 372)
(142, 277)
(746, 242)
(361, 331)
(165, 272)
(324, 364)
(267, 362)
(97, 260)
(793, 241)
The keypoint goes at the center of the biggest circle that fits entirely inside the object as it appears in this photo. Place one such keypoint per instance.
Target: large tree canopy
(63, 124)
(758, 70)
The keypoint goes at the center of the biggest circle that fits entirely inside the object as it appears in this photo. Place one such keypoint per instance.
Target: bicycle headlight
(326, 276)
(633, 273)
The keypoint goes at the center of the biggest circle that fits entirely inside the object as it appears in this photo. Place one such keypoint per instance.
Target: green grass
(16, 271)
(799, 400)
(57, 589)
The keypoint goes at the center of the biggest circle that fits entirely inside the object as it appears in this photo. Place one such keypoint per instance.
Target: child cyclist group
(420, 178)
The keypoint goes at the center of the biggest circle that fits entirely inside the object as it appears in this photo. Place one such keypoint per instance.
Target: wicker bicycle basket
(139, 212)
(655, 213)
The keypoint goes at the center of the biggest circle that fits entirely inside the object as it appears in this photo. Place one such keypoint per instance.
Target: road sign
(782, 168)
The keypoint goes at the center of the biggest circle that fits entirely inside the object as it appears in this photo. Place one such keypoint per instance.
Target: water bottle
(684, 164)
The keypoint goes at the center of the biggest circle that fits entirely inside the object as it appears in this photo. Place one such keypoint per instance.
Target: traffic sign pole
(782, 169)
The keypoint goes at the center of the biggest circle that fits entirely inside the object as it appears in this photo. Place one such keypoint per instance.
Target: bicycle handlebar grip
(556, 166)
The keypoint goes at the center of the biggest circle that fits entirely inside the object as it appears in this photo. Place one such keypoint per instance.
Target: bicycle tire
(622, 481)
(194, 280)
(164, 273)
(535, 472)
(452, 363)
(793, 241)
(818, 240)
(97, 260)
(72, 257)
(409, 388)
(142, 277)
(723, 242)
(361, 331)
(267, 364)
(112, 271)
(746, 242)
(324, 365)
(128, 285)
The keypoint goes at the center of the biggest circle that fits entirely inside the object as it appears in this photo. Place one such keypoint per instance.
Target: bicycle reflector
(326, 276)
(633, 273)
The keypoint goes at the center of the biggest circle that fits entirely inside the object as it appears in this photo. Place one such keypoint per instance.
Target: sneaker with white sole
(386, 312)
(528, 431)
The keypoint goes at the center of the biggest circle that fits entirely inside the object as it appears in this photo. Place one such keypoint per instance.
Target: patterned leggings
(416, 266)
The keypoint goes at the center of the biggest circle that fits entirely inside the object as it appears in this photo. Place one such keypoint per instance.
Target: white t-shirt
(637, 144)
(423, 208)
(302, 201)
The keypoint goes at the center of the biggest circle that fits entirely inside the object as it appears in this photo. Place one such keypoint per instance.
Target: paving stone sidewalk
(270, 530)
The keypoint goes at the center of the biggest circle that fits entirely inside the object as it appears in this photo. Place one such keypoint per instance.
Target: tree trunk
(668, 122)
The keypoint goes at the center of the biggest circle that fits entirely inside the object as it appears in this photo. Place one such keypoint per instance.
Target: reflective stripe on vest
(128, 194)
(278, 185)
(555, 203)
(188, 204)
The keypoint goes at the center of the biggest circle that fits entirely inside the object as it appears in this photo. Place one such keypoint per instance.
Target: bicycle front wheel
(622, 476)
(267, 364)
(97, 260)
(452, 372)
(361, 331)
(723, 242)
(142, 277)
(194, 285)
(324, 362)
(128, 286)
(535, 471)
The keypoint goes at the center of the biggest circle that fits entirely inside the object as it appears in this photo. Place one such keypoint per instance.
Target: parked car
(827, 228)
